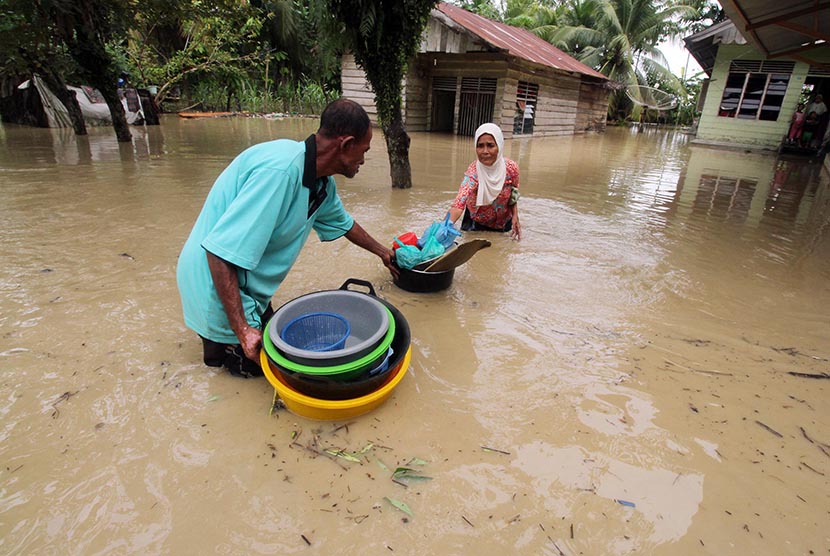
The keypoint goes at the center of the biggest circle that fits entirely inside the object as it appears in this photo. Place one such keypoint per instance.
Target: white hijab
(490, 178)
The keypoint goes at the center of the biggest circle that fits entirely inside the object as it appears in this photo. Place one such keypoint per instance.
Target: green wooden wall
(737, 132)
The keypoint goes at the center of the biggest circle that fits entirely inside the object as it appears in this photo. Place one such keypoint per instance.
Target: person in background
(797, 125)
(817, 106)
(489, 193)
(253, 225)
(822, 114)
(811, 123)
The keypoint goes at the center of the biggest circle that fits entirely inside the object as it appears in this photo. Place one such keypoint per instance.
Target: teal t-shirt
(255, 217)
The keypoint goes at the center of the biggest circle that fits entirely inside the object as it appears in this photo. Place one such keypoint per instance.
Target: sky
(678, 58)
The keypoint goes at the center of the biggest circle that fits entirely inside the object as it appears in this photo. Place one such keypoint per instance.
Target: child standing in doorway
(797, 125)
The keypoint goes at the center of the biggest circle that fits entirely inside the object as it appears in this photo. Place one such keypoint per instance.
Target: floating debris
(768, 428)
(809, 375)
(409, 474)
(399, 505)
(62, 398)
(825, 448)
(341, 454)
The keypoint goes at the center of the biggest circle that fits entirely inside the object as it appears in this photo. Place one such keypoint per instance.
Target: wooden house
(752, 91)
(471, 70)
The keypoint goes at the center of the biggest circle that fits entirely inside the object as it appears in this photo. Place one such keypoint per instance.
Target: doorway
(443, 103)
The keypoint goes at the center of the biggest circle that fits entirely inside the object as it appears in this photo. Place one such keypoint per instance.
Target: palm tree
(485, 8)
(522, 13)
(570, 16)
(619, 38)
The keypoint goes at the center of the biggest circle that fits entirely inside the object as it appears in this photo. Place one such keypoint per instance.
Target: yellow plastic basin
(331, 410)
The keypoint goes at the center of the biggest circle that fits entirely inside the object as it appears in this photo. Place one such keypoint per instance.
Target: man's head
(347, 133)
(344, 117)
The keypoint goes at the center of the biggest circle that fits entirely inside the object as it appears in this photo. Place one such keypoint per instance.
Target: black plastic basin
(420, 281)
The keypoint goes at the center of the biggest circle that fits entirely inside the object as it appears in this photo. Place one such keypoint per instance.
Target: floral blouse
(496, 214)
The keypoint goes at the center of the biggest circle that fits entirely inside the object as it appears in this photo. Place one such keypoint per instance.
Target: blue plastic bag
(444, 232)
(431, 249)
(409, 256)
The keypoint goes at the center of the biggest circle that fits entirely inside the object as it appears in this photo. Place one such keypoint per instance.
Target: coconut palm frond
(368, 20)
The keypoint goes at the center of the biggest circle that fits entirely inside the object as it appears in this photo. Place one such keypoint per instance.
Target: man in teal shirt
(253, 225)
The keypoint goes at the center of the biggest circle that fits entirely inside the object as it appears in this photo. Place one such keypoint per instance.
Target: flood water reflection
(637, 375)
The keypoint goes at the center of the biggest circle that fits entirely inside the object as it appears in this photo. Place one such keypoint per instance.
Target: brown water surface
(618, 382)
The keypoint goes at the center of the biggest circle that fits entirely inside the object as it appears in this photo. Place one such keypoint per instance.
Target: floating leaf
(366, 448)
(381, 465)
(407, 473)
(416, 461)
(341, 454)
(398, 504)
(214, 398)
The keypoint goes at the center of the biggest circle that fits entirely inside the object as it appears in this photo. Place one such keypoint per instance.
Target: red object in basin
(409, 238)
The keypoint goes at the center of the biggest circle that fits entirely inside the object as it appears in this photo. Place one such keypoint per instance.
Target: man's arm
(226, 282)
(361, 238)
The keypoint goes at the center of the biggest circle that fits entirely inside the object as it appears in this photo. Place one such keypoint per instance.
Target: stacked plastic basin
(335, 354)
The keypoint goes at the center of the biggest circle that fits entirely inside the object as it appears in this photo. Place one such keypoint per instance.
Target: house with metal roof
(471, 70)
(769, 57)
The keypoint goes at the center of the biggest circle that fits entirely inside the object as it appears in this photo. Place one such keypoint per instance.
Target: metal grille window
(444, 84)
(527, 95)
(478, 99)
(755, 89)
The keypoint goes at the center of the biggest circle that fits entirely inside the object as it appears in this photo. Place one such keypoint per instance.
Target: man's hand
(361, 238)
(388, 258)
(226, 282)
(251, 341)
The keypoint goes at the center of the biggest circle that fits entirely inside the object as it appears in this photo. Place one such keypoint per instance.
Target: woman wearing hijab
(489, 194)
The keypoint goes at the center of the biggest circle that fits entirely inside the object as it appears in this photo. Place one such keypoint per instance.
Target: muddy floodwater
(641, 374)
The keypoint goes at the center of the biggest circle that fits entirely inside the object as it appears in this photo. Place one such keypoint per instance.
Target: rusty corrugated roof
(517, 41)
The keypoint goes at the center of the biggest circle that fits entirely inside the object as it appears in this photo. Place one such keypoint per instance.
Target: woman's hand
(516, 232)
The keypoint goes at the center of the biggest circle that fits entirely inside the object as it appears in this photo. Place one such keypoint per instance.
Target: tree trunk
(397, 145)
(84, 35)
(119, 119)
(68, 99)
